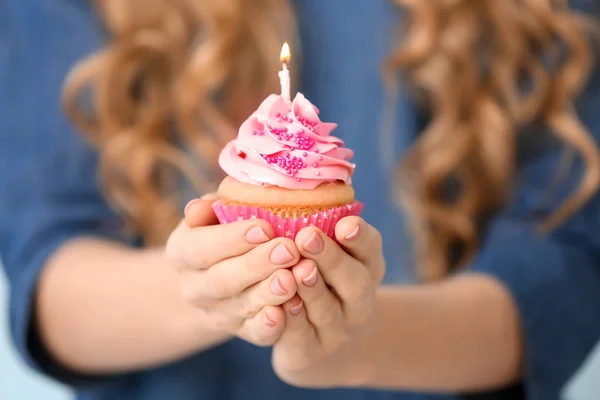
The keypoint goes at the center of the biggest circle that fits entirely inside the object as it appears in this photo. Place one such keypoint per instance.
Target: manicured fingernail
(314, 244)
(267, 321)
(256, 235)
(189, 205)
(354, 233)
(296, 309)
(281, 255)
(311, 279)
(277, 288)
(210, 197)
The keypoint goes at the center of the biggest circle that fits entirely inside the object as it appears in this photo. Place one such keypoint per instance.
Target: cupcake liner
(288, 227)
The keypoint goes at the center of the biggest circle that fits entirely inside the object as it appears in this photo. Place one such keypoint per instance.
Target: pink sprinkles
(291, 165)
(308, 124)
(302, 142)
(281, 132)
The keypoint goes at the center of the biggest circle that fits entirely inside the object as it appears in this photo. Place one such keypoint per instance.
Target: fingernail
(281, 255)
(210, 196)
(296, 309)
(189, 205)
(277, 288)
(256, 235)
(314, 244)
(267, 321)
(354, 233)
(311, 279)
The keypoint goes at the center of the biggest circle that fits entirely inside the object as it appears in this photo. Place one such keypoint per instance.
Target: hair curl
(468, 60)
(175, 74)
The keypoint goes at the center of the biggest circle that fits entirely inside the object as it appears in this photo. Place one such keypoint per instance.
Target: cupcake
(287, 168)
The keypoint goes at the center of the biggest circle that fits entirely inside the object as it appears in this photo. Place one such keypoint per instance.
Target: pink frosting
(287, 145)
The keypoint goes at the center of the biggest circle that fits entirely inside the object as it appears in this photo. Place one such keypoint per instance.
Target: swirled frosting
(287, 145)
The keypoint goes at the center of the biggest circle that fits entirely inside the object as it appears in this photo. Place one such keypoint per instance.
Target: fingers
(199, 212)
(200, 248)
(230, 277)
(322, 307)
(298, 345)
(299, 332)
(265, 328)
(361, 240)
(273, 291)
(348, 277)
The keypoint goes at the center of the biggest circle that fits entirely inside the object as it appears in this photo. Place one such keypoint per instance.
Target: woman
(113, 296)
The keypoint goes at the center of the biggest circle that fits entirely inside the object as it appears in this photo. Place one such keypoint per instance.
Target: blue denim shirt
(49, 194)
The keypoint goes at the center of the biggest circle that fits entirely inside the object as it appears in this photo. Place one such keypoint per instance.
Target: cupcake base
(287, 226)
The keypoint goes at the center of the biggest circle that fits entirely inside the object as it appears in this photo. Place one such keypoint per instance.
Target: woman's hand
(335, 301)
(235, 273)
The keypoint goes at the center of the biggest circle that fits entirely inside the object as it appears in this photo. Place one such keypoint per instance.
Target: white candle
(284, 74)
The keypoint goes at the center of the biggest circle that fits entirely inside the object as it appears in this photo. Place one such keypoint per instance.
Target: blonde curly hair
(186, 72)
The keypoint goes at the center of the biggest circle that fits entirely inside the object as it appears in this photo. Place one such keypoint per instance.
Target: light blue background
(17, 382)
(585, 385)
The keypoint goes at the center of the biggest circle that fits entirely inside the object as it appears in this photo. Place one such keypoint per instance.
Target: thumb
(199, 212)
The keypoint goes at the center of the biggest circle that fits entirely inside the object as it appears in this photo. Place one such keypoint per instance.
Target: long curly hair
(467, 61)
(186, 72)
(176, 74)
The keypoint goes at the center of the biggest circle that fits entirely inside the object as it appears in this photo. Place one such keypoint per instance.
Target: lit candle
(284, 74)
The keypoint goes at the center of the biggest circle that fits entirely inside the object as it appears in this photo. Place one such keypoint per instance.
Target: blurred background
(17, 382)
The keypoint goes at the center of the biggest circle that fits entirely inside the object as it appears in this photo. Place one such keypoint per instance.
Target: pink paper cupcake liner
(288, 227)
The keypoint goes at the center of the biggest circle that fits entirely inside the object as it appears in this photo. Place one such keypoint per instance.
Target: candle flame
(285, 53)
